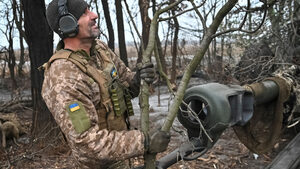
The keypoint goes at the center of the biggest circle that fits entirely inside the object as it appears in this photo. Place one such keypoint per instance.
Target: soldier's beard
(94, 30)
(95, 33)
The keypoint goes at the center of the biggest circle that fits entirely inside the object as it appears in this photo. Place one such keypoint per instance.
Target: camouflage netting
(256, 63)
(292, 106)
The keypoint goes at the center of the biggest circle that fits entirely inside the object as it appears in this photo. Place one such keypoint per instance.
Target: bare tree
(111, 41)
(18, 18)
(8, 32)
(40, 43)
(132, 24)
(209, 34)
(121, 35)
(174, 45)
(276, 16)
(144, 6)
(160, 53)
(4, 58)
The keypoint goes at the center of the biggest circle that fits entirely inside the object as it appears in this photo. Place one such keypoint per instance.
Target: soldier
(88, 89)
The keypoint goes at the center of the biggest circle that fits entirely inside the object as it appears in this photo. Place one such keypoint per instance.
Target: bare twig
(243, 22)
(200, 16)
(162, 73)
(133, 37)
(181, 13)
(190, 110)
(132, 21)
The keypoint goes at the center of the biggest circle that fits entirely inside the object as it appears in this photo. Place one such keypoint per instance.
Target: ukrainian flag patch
(74, 107)
(113, 72)
(78, 116)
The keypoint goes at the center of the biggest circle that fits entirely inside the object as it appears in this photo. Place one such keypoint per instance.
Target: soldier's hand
(147, 72)
(159, 142)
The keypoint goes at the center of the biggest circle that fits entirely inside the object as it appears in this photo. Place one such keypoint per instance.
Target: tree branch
(240, 28)
(195, 62)
(181, 13)
(132, 21)
(144, 90)
(200, 16)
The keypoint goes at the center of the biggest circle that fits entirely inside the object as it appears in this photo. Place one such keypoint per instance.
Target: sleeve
(64, 84)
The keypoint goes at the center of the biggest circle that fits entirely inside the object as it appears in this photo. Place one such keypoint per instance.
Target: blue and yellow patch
(74, 107)
(113, 72)
(78, 116)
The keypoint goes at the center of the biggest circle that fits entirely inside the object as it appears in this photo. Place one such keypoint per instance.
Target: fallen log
(14, 105)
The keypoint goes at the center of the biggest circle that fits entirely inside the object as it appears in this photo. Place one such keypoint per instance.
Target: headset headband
(62, 7)
(68, 26)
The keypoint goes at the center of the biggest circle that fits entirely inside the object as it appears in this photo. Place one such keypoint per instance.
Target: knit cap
(75, 7)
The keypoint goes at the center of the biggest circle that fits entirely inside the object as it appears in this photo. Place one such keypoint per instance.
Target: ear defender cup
(68, 26)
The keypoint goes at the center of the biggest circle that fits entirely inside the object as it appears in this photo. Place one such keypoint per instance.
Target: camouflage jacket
(94, 148)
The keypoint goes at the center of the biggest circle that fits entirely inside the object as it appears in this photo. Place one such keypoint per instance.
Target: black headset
(68, 26)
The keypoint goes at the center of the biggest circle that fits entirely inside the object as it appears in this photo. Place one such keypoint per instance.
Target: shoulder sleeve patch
(78, 116)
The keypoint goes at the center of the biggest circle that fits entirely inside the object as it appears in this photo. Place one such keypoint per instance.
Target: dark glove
(158, 142)
(147, 73)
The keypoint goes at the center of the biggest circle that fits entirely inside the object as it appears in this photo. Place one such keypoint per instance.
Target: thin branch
(269, 4)
(200, 16)
(214, 6)
(194, 114)
(170, 86)
(242, 24)
(132, 21)
(153, 29)
(131, 31)
(181, 13)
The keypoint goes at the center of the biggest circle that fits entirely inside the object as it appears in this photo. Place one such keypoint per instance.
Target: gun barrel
(265, 91)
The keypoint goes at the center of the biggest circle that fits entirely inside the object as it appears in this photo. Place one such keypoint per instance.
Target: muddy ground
(228, 152)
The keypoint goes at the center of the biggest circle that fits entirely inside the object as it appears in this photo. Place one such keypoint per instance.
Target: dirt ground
(227, 153)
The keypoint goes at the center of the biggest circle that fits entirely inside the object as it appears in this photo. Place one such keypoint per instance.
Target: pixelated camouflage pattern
(65, 83)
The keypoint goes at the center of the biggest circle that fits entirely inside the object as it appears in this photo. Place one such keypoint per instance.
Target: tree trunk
(11, 55)
(22, 57)
(276, 18)
(18, 18)
(174, 47)
(296, 26)
(110, 29)
(146, 21)
(250, 26)
(222, 52)
(40, 43)
(121, 36)
(159, 45)
(209, 65)
(149, 159)
(4, 67)
(160, 54)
